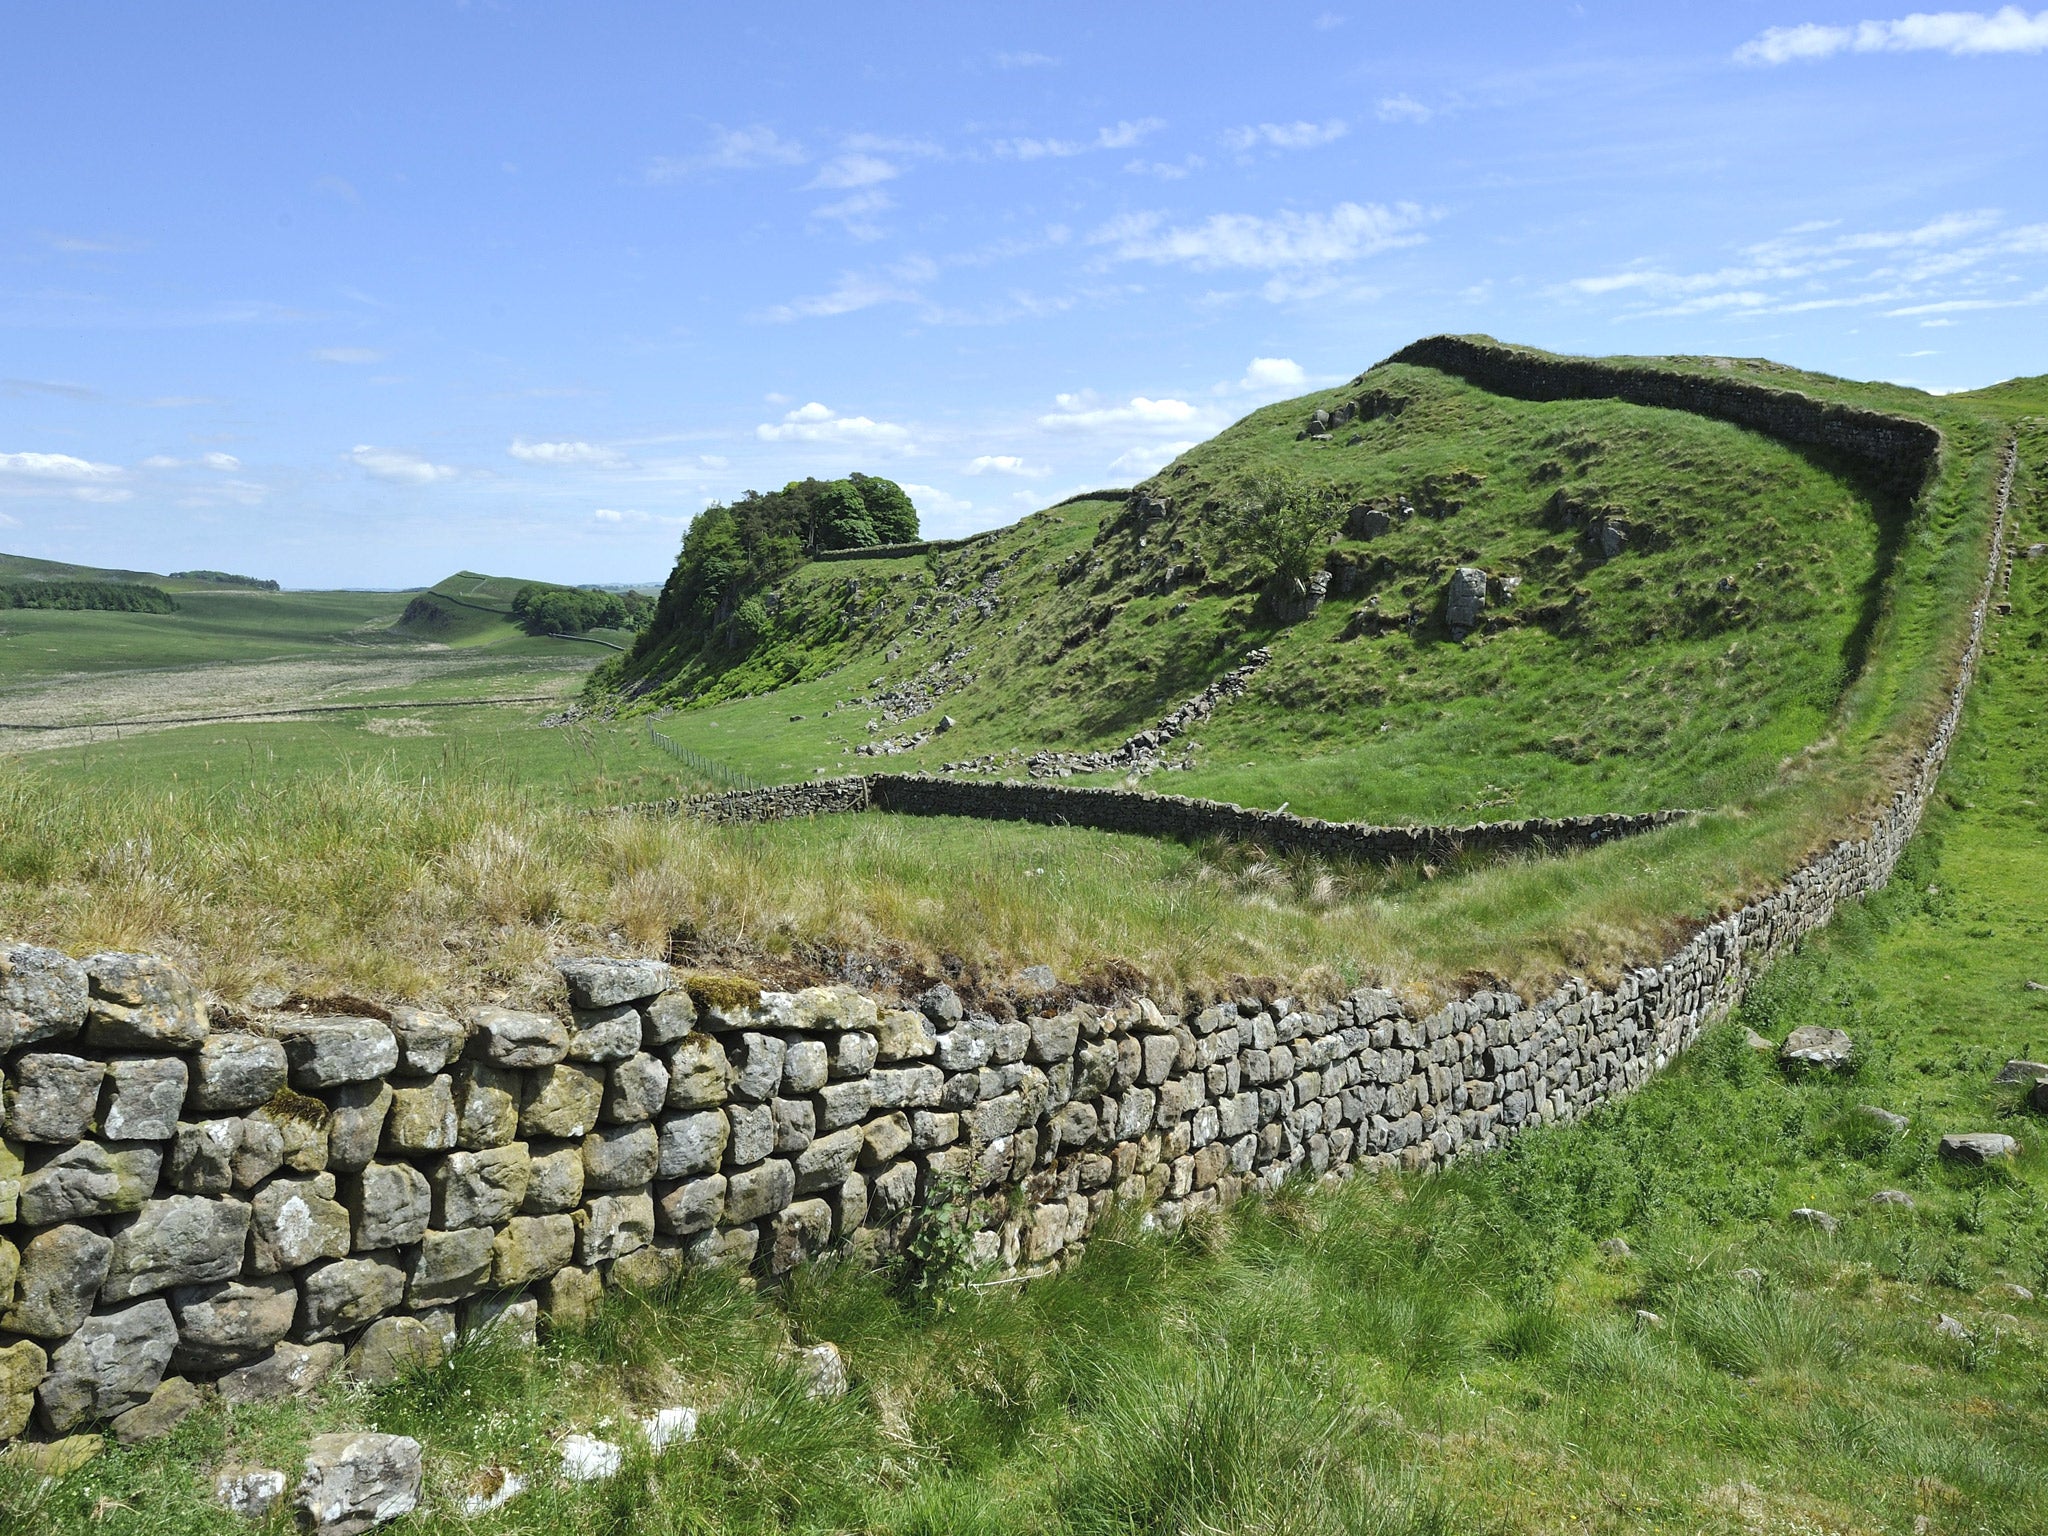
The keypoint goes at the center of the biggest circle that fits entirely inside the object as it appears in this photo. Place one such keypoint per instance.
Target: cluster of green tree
(106, 596)
(731, 550)
(226, 579)
(571, 610)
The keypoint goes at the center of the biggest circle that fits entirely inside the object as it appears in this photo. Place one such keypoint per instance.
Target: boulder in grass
(352, 1483)
(1816, 1045)
(1820, 1221)
(251, 1492)
(1978, 1148)
(824, 1370)
(1896, 1124)
(2018, 1072)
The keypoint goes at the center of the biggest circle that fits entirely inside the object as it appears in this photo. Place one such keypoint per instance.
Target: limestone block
(289, 1370)
(753, 1133)
(619, 1157)
(330, 1051)
(796, 1122)
(724, 1248)
(853, 1054)
(233, 1071)
(510, 1319)
(757, 1062)
(301, 1127)
(89, 1179)
(486, 1104)
(571, 1296)
(965, 1047)
(111, 1364)
(141, 1003)
(505, 1037)
(43, 995)
(634, 1090)
(178, 1240)
(561, 1101)
(557, 1185)
(667, 1019)
(422, 1117)
(293, 1222)
(168, 1406)
(1816, 1045)
(941, 1004)
(826, 1162)
(50, 1096)
(481, 1188)
(450, 1266)
(849, 1206)
(1978, 1147)
(392, 1348)
(885, 1139)
(901, 1035)
(693, 1206)
(143, 1097)
(388, 1204)
(932, 1128)
(691, 1144)
(806, 1064)
(612, 1226)
(1465, 598)
(699, 1076)
(353, 1482)
(22, 1368)
(355, 1123)
(428, 1042)
(1053, 1038)
(62, 1270)
(259, 1152)
(604, 1035)
(907, 1087)
(341, 1295)
(798, 1232)
(12, 1170)
(531, 1248)
(603, 983)
(251, 1492)
(892, 1191)
(10, 1269)
(753, 1193)
(231, 1322)
(203, 1157)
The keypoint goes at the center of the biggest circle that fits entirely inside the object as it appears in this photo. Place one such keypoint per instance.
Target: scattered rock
(1977, 1147)
(586, 1459)
(1816, 1045)
(173, 1399)
(1814, 1218)
(354, 1482)
(1617, 1248)
(668, 1426)
(1646, 1320)
(824, 1370)
(1465, 600)
(111, 1364)
(492, 1488)
(1894, 1123)
(1750, 1276)
(1949, 1328)
(2017, 1071)
(54, 1459)
(251, 1492)
(1757, 1042)
(1894, 1197)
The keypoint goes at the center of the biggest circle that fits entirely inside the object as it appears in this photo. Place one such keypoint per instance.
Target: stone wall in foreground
(192, 1200)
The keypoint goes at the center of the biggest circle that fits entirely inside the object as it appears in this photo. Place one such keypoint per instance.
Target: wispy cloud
(1297, 135)
(1402, 109)
(55, 387)
(216, 461)
(859, 290)
(857, 214)
(564, 454)
(1005, 464)
(1148, 458)
(1024, 61)
(351, 356)
(1122, 135)
(399, 466)
(1078, 412)
(1348, 232)
(819, 423)
(2006, 30)
(731, 149)
(852, 170)
(56, 466)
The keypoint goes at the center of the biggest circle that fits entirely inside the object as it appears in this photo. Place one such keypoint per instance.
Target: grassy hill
(469, 609)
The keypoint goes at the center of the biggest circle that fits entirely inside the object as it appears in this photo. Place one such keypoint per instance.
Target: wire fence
(716, 772)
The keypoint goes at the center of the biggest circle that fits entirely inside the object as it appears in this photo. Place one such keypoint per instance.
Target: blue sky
(363, 294)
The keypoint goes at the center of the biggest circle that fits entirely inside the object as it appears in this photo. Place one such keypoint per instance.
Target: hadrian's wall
(190, 1196)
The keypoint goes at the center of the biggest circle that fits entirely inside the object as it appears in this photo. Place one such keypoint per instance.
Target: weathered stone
(824, 1371)
(696, 1205)
(753, 1133)
(853, 1054)
(757, 1067)
(724, 1248)
(330, 1051)
(178, 1240)
(144, 1095)
(508, 1319)
(620, 1157)
(844, 1104)
(1977, 1147)
(556, 1186)
(428, 1042)
(388, 1204)
(1816, 1045)
(531, 1248)
(826, 1162)
(230, 1322)
(42, 995)
(941, 1004)
(587, 1459)
(233, 1071)
(22, 1368)
(799, 1231)
(570, 1297)
(486, 1104)
(355, 1124)
(1053, 1038)
(752, 1193)
(301, 1124)
(699, 1075)
(806, 1066)
(293, 1222)
(796, 1122)
(169, 1405)
(901, 1035)
(2018, 1071)
(203, 1157)
(251, 1492)
(289, 1370)
(481, 1188)
(691, 1144)
(603, 983)
(667, 1019)
(392, 1348)
(1821, 1220)
(505, 1037)
(51, 1096)
(89, 1179)
(604, 1035)
(50, 1461)
(634, 1090)
(342, 1295)
(12, 1170)
(885, 1139)
(1464, 600)
(561, 1101)
(1896, 1124)
(62, 1270)
(141, 1003)
(111, 1364)
(353, 1482)
(422, 1117)
(891, 1190)
(612, 1226)
(449, 1266)
(1894, 1197)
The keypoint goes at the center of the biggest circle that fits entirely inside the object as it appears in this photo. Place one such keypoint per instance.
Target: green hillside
(469, 609)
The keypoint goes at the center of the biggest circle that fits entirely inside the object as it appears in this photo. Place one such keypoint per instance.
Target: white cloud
(2006, 30)
(930, 501)
(819, 423)
(731, 149)
(1121, 135)
(1273, 373)
(856, 170)
(219, 461)
(1024, 61)
(1078, 412)
(56, 466)
(1145, 460)
(1403, 109)
(398, 466)
(1004, 464)
(1165, 170)
(1286, 135)
(857, 213)
(348, 355)
(564, 453)
(859, 290)
(1347, 232)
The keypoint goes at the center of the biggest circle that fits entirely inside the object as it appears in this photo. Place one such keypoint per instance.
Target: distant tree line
(226, 579)
(77, 596)
(542, 610)
(732, 550)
